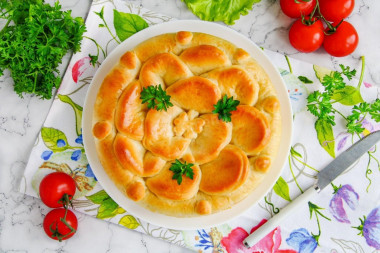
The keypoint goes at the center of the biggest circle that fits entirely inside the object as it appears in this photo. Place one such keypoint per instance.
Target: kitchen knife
(324, 178)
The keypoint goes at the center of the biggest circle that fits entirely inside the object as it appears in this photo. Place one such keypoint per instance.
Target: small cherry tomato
(306, 35)
(336, 10)
(57, 189)
(60, 224)
(343, 41)
(297, 8)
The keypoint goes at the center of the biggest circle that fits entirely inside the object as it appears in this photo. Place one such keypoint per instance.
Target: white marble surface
(21, 216)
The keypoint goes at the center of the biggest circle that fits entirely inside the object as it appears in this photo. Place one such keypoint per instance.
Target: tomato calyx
(55, 232)
(311, 19)
(66, 201)
(330, 28)
(308, 20)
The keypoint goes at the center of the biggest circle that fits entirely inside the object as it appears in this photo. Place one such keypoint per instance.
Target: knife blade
(324, 178)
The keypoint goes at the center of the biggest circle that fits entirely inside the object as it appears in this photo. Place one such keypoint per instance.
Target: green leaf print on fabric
(349, 246)
(108, 207)
(321, 72)
(304, 79)
(54, 139)
(281, 188)
(313, 208)
(129, 221)
(349, 95)
(77, 110)
(325, 136)
(127, 24)
(97, 198)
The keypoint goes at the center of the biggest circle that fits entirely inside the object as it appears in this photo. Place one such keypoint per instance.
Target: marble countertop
(21, 216)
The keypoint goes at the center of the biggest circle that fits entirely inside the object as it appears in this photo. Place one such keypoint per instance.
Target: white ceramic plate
(202, 221)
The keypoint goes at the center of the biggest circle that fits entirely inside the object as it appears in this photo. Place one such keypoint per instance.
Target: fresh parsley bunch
(33, 42)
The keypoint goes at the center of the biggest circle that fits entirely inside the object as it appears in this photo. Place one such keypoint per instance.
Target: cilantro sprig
(33, 45)
(180, 169)
(224, 107)
(156, 98)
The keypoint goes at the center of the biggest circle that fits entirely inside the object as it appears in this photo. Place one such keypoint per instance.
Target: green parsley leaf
(156, 98)
(375, 110)
(347, 72)
(224, 107)
(180, 169)
(304, 79)
(319, 105)
(359, 113)
(332, 82)
(93, 59)
(33, 45)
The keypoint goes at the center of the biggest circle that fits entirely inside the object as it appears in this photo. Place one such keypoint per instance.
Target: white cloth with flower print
(326, 224)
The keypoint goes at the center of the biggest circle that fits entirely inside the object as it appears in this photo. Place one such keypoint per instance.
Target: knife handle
(272, 223)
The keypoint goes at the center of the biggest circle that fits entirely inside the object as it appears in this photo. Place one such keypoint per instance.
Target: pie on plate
(138, 145)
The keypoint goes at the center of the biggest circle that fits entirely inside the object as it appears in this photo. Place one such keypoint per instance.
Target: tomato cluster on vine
(321, 23)
(56, 191)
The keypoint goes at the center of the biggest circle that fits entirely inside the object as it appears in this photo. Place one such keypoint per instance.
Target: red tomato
(53, 188)
(336, 10)
(295, 10)
(55, 227)
(306, 38)
(343, 42)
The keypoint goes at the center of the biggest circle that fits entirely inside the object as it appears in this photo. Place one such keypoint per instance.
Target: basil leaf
(127, 24)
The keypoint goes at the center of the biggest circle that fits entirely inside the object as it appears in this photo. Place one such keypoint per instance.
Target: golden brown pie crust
(137, 145)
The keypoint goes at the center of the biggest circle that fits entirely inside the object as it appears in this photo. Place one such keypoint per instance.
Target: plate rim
(188, 223)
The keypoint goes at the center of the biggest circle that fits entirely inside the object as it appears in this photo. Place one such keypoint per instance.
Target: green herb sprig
(156, 98)
(224, 107)
(360, 112)
(180, 169)
(33, 45)
(320, 103)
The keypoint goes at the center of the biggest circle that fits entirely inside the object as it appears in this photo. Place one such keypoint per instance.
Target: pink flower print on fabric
(347, 194)
(233, 243)
(80, 67)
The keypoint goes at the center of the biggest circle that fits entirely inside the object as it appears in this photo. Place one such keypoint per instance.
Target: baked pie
(184, 159)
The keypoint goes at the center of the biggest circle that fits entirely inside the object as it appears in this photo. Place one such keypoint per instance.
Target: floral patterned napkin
(343, 218)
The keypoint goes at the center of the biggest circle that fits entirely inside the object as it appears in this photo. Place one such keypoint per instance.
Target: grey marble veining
(21, 216)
